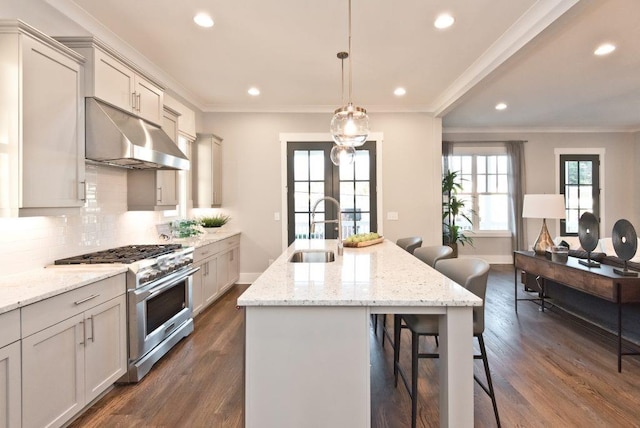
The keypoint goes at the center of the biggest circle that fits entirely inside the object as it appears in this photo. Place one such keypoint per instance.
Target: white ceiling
(497, 50)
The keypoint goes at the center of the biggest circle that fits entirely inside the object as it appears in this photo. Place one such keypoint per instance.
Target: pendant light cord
(350, 62)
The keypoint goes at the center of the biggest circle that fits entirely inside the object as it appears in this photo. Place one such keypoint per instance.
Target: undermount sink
(313, 256)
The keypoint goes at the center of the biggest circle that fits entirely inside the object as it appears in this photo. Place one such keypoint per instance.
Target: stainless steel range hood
(118, 138)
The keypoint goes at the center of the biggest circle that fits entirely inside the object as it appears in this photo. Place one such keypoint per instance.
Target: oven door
(158, 309)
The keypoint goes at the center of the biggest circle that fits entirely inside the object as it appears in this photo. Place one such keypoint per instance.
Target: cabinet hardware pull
(83, 190)
(159, 194)
(86, 299)
(84, 333)
(133, 100)
(138, 97)
(92, 332)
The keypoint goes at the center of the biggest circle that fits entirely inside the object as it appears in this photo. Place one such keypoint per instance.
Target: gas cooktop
(127, 254)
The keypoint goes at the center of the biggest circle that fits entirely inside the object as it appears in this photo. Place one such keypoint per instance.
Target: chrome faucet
(338, 220)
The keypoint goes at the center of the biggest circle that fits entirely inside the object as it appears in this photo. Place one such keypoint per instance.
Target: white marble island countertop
(29, 287)
(378, 275)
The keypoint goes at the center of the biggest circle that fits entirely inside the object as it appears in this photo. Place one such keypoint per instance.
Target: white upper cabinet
(187, 123)
(42, 123)
(206, 171)
(114, 79)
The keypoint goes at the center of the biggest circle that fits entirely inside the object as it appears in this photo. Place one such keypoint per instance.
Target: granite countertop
(210, 238)
(378, 275)
(29, 287)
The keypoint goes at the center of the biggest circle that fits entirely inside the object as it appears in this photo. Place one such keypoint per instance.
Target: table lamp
(544, 207)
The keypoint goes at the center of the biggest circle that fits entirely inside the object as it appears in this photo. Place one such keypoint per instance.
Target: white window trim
(583, 151)
(470, 150)
(320, 137)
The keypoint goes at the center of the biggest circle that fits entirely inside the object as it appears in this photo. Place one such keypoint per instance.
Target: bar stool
(472, 274)
(408, 244)
(430, 255)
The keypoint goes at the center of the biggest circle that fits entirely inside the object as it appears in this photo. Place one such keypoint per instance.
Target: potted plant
(452, 208)
(214, 222)
(185, 230)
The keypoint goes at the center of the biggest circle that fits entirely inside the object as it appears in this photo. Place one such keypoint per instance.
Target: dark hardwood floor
(548, 369)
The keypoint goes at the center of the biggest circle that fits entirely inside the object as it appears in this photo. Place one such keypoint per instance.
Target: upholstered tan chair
(472, 273)
(430, 255)
(409, 244)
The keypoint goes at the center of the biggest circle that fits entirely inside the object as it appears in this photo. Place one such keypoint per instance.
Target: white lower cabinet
(10, 387)
(219, 269)
(73, 349)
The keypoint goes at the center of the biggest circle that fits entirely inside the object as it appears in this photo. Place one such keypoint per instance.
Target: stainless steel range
(159, 306)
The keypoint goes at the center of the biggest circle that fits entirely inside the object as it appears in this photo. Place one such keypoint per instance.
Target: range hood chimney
(116, 137)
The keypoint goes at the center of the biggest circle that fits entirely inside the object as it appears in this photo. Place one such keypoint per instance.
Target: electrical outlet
(276, 216)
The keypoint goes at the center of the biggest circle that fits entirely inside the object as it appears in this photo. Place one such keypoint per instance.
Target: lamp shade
(543, 206)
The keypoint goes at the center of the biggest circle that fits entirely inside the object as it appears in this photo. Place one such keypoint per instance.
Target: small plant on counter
(217, 220)
(185, 228)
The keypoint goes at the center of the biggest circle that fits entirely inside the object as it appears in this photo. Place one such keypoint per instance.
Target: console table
(601, 282)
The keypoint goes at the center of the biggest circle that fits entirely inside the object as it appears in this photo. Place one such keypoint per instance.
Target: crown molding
(540, 130)
(328, 109)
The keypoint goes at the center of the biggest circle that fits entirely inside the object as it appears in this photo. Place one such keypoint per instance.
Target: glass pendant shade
(350, 126)
(342, 155)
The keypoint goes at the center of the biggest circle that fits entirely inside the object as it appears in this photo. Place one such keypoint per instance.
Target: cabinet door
(223, 270)
(206, 170)
(10, 395)
(52, 159)
(114, 81)
(53, 374)
(234, 266)
(216, 171)
(210, 285)
(197, 296)
(167, 191)
(148, 103)
(106, 346)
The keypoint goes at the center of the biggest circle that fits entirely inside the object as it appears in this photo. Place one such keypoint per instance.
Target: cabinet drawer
(48, 312)
(10, 331)
(230, 242)
(206, 251)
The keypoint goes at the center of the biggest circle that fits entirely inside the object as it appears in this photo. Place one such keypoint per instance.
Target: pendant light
(350, 124)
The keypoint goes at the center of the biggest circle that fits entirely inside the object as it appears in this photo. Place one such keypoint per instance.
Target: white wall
(620, 166)
(411, 154)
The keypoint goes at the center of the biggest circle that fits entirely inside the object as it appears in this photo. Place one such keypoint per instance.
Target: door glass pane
(347, 195)
(586, 168)
(362, 165)
(301, 196)
(362, 196)
(317, 192)
(301, 165)
(346, 172)
(316, 165)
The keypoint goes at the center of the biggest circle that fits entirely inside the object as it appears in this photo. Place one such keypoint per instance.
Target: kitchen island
(307, 335)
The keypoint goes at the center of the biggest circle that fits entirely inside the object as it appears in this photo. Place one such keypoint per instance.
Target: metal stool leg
(414, 378)
(396, 349)
(485, 361)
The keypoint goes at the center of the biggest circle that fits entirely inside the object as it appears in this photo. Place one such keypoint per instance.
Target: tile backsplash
(104, 222)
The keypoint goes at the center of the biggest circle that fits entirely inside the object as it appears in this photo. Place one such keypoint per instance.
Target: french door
(311, 175)
(580, 185)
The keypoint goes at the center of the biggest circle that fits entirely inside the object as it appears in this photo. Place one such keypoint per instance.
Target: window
(580, 185)
(484, 189)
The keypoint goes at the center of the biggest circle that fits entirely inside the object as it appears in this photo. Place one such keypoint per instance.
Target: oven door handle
(170, 282)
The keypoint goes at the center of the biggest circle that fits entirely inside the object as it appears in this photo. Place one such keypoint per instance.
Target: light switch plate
(392, 215)
(276, 216)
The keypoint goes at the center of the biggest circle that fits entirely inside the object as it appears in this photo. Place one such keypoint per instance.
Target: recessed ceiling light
(604, 49)
(254, 91)
(443, 21)
(203, 20)
(400, 92)
(501, 106)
